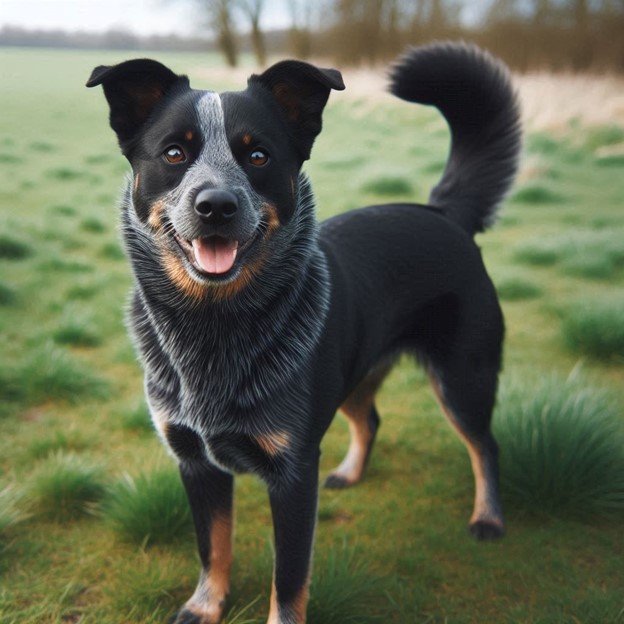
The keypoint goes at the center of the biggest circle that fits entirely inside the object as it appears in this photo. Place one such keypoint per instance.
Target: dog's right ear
(133, 89)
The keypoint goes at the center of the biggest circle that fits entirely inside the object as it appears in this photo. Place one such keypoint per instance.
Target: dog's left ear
(133, 88)
(301, 91)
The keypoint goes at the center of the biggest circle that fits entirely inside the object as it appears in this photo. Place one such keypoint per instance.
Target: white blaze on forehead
(216, 151)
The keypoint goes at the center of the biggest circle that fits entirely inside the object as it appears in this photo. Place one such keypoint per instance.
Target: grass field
(76, 445)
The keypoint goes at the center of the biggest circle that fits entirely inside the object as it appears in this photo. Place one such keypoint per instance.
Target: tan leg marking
(481, 510)
(209, 598)
(273, 443)
(297, 609)
(357, 409)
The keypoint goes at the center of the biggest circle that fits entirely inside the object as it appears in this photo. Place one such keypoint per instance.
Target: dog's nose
(216, 206)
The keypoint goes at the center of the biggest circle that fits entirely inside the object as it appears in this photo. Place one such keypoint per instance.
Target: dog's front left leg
(293, 505)
(209, 491)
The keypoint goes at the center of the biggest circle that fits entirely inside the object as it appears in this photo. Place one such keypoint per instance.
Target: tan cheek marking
(136, 182)
(189, 135)
(292, 186)
(247, 139)
(181, 279)
(156, 211)
(273, 221)
(273, 443)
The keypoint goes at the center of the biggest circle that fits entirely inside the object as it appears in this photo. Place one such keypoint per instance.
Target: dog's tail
(474, 93)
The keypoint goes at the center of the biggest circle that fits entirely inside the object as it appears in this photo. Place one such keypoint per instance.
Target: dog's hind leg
(363, 419)
(467, 399)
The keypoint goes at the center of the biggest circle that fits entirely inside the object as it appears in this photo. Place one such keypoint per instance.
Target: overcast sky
(144, 17)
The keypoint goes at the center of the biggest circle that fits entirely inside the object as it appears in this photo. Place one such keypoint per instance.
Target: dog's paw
(187, 617)
(486, 530)
(337, 482)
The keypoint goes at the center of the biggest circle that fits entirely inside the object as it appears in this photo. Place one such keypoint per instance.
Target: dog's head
(215, 175)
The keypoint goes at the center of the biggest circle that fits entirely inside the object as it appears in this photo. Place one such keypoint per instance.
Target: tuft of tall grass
(91, 224)
(65, 174)
(388, 185)
(66, 486)
(147, 588)
(48, 373)
(344, 590)
(11, 512)
(517, 289)
(112, 251)
(148, 509)
(58, 441)
(7, 295)
(13, 249)
(537, 194)
(137, 419)
(588, 253)
(64, 209)
(561, 447)
(595, 329)
(77, 333)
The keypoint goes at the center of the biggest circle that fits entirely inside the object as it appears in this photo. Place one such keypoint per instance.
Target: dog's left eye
(174, 154)
(258, 158)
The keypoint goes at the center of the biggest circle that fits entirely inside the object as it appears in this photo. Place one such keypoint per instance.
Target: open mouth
(213, 256)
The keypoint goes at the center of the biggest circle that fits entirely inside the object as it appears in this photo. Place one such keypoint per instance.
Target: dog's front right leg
(209, 492)
(293, 505)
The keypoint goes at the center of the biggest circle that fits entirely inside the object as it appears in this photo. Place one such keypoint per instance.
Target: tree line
(528, 34)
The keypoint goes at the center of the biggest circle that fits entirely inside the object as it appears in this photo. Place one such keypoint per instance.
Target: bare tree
(253, 11)
(301, 15)
(220, 14)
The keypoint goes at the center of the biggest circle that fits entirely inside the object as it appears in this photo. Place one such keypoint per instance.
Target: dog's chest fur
(233, 372)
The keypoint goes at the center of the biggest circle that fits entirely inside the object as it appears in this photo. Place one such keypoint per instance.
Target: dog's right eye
(174, 154)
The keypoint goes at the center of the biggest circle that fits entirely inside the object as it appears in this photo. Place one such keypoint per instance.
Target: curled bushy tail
(474, 93)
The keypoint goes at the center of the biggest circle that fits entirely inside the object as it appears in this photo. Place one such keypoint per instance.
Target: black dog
(255, 326)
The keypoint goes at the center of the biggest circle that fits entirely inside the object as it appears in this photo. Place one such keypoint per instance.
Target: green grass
(7, 295)
(517, 289)
(65, 486)
(13, 249)
(537, 194)
(77, 333)
(595, 329)
(562, 448)
(388, 186)
(149, 509)
(93, 225)
(137, 419)
(65, 441)
(11, 513)
(405, 523)
(49, 374)
(345, 591)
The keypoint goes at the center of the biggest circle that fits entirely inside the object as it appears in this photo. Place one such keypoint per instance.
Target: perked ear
(132, 89)
(301, 90)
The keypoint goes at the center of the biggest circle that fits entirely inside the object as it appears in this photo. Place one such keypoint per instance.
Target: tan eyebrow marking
(189, 135)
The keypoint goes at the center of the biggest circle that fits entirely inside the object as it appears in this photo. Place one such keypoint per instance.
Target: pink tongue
(215, 255)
